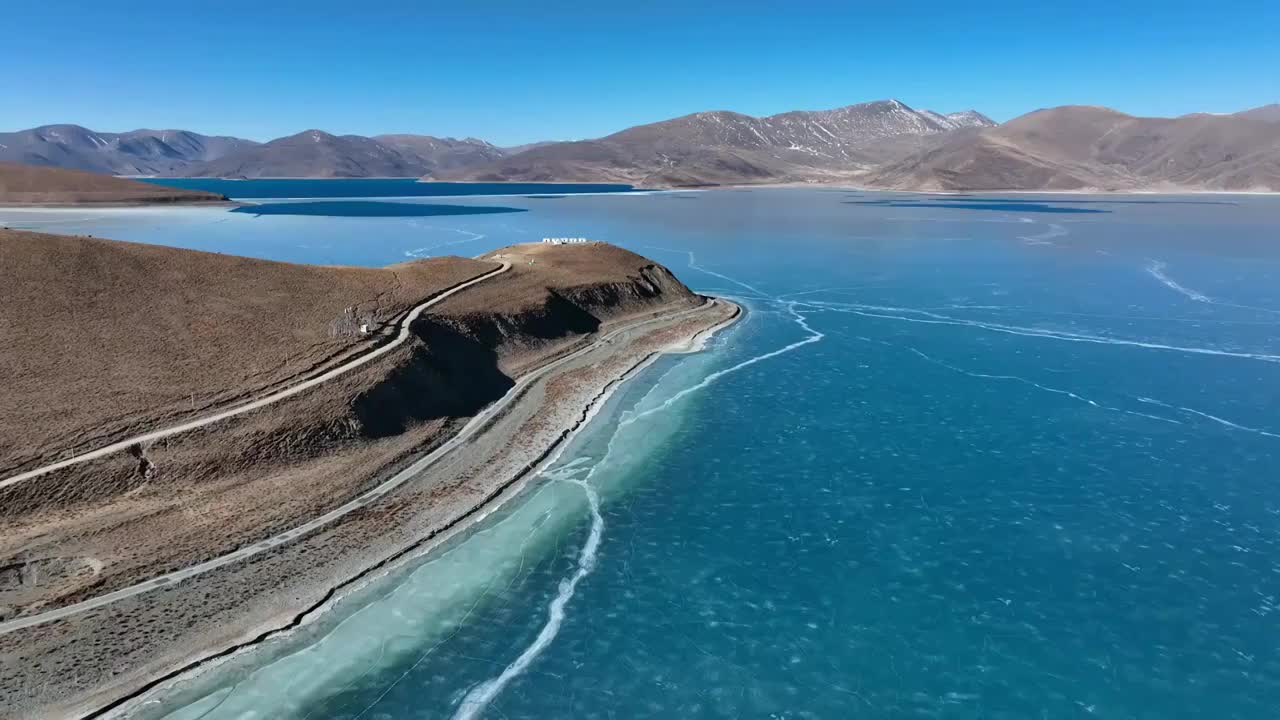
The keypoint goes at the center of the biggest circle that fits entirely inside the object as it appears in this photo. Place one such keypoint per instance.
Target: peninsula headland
(204, 447)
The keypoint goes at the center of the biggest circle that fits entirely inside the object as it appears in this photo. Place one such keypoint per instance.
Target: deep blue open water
(982, 457)
(374, 187)
(370, 208)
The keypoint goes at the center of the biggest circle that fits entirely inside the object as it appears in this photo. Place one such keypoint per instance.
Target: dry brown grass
(104, 337)
(113, 336)
(32, 184)
(71, 668)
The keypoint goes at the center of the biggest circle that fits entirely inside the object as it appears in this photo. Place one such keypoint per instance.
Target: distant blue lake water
(375, 187)
(365, 208)
(955, 463)
(997, 205)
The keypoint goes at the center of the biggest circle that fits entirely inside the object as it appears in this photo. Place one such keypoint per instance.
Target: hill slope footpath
(112, 339)
(104, 336)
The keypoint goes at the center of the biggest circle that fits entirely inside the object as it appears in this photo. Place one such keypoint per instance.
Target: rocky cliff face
(468, 354)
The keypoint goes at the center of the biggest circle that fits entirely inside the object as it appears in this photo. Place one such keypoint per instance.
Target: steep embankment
(33, 185)
(208, 320)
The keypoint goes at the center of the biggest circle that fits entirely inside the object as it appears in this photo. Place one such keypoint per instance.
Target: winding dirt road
(275, 397)
(475, 425)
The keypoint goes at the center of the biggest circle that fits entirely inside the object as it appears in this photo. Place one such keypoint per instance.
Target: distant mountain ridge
(722, 147)
(139, 152)
(436, 153)
(1094, 148)
(1267, 113)
(881, 144)
(315, 153)
(703, 148)
(311, 153)
(182, 153)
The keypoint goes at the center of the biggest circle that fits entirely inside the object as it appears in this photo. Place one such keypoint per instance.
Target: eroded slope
(108, 523)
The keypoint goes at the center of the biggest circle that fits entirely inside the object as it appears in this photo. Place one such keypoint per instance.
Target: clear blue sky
(514, 72)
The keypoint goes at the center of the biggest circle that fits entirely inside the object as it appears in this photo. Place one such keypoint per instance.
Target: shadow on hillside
(454, 371)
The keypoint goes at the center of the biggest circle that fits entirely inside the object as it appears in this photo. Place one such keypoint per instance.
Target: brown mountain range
(138, 152)
(881, 144)
(1084, 147)
(722, 148)
(315, 153)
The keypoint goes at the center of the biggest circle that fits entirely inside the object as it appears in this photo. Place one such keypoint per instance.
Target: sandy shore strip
(135, 705)
(106, 661)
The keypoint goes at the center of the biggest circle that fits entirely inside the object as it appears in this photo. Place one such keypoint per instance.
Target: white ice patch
(426, 251)
(1156, 269)
(930, 318)
(1044, 238)
(814, 336)
(1046, 388)
(483, 694)
(693, 265)
(1207, 416)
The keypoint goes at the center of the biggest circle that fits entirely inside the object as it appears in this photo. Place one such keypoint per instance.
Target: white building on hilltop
(564, 240)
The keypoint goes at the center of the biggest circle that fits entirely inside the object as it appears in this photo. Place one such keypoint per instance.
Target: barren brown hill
(106, 339)
(725, 148)
(312, 153)
(1086, 147)
(35, 185)
(295, 500)
(138, 152)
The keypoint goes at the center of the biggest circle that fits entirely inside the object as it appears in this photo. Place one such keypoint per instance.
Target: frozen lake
(966, 457)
